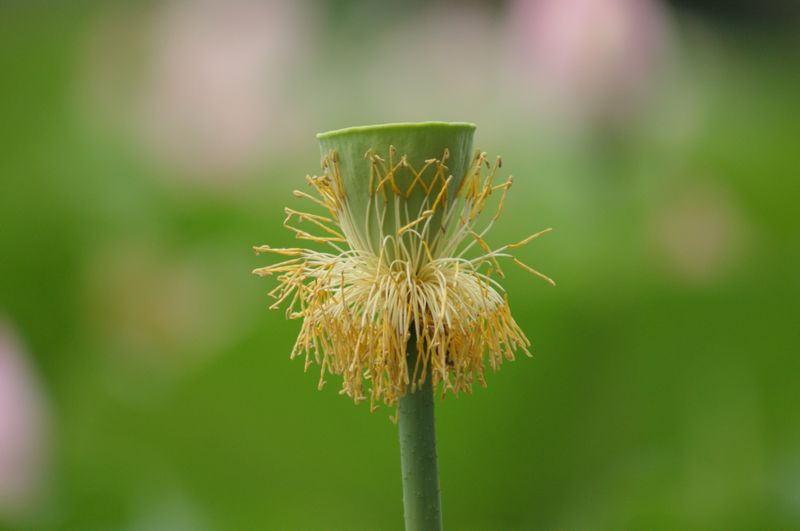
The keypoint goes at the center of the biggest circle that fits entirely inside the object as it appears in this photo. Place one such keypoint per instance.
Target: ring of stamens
(400, 271)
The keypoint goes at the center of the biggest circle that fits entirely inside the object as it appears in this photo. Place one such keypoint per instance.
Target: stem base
(422, 506)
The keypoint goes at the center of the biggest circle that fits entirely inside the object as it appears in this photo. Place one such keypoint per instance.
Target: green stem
(422, 508)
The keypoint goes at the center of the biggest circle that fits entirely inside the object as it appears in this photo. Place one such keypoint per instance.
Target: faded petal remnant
(399, 267)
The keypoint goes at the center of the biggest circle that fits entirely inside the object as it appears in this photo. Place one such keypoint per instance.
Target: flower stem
(422, 508)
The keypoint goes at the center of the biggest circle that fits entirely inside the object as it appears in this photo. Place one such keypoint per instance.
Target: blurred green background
(146, 146)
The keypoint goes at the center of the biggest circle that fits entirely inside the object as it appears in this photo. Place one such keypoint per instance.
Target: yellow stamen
(359, 306)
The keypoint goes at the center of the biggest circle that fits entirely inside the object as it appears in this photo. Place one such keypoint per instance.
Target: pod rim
(404, 126)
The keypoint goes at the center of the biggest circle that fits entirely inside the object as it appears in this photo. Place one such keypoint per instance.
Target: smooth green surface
(420, 466)
(419, 142)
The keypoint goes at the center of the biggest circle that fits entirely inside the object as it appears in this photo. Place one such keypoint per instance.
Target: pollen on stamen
(400, 275)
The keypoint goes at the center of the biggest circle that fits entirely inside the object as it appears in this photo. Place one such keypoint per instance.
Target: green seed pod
(393, 173)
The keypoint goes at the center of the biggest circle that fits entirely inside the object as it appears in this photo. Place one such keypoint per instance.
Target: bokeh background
(146, 146)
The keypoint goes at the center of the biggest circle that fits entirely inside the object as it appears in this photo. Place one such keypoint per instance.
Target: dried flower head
(408, 261)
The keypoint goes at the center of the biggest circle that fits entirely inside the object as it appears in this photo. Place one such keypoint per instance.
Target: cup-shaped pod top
(396, 182)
